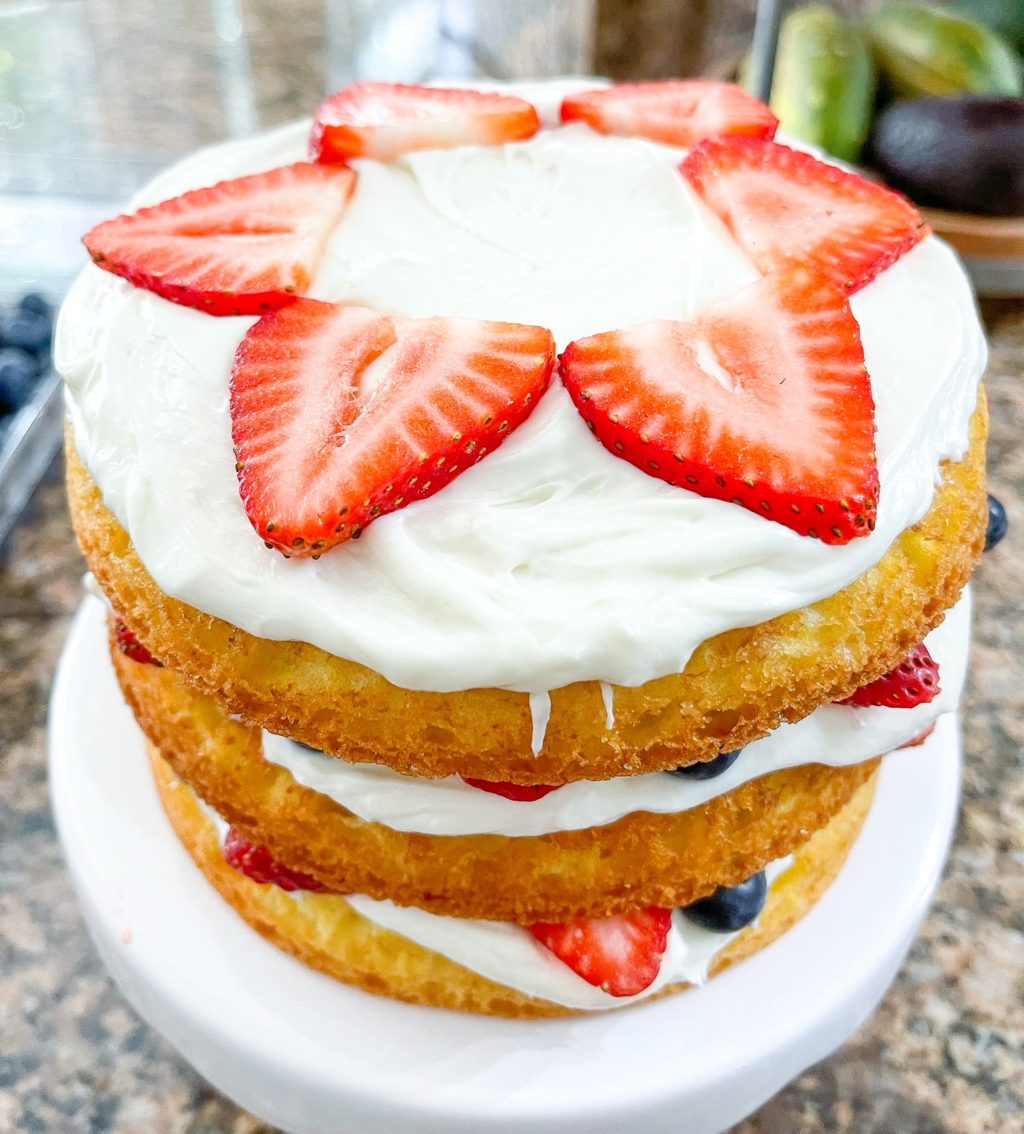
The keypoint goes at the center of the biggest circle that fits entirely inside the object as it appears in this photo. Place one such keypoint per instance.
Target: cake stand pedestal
(315, 1057)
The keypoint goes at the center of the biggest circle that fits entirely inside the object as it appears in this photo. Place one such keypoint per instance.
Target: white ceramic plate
(315, 1057)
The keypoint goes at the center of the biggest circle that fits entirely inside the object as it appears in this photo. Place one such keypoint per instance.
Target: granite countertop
(944, 1054)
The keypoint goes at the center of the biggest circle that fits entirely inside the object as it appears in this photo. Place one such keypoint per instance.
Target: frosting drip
(835, 735)
(508, 954)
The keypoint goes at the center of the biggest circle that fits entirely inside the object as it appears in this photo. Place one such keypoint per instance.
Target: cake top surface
(551, 561)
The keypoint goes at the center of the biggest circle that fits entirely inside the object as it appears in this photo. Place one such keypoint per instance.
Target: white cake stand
(314, 1057)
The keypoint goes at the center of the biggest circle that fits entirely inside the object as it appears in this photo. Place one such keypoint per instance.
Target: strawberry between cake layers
(592, 962)
(473, 850)
(551, 564)
(496, 968)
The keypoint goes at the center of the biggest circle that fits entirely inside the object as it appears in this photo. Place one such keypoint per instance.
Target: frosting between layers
(836, 735)
(551, 561)
(508, 954)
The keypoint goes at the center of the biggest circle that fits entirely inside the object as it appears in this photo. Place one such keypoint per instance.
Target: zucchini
(823, 90)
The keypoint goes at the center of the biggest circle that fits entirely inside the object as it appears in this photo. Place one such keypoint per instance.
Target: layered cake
(527, 517)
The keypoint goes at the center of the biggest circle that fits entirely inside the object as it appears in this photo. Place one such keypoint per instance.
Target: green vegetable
(1004, 17)
(823, 89)
(926, 51)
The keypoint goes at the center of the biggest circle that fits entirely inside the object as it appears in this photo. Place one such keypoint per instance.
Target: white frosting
(540, 715)
(608, 700)
(835, 735)
(551, 561)
(508, 954)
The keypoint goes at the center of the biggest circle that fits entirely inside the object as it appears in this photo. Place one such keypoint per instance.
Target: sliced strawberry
(241, 247)
(784, 206)
(678, 113)
(385, 120)
(258, 864)
(620, 955)
(131, 647)
(762, 399)
(521, 793)
(915, 681)
(325, 445)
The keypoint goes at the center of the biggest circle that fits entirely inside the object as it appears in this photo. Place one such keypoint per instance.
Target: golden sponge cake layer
(641, 860)
(326, 933)
(736, 688)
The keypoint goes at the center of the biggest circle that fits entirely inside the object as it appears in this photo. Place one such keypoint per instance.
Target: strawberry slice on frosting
(341, 414)
(385, 120)
(240, 247)
(785, 207)
(678, 113)
(620, 954)
(763, 400)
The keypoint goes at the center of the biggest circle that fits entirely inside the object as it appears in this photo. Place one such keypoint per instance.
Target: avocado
(965, 154)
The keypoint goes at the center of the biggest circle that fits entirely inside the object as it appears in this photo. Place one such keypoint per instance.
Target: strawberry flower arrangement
(342, 414)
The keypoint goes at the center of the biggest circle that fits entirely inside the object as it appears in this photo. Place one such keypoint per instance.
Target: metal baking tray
(30, 441)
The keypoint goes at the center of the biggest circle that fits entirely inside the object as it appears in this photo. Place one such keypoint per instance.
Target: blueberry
(709, 769)
(730, 908)
(17, 378)
(997, 523)
(28, 330)
(36, 303)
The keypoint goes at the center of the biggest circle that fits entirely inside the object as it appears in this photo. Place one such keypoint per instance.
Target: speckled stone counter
(943, 1055)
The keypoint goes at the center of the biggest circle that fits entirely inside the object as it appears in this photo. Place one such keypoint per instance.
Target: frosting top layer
(551, 561)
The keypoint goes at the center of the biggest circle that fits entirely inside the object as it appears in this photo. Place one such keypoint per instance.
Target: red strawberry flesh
(915, 681)
(521, 793)
(785, 207)
(678, 113)
(763, 400)
(341, 415)
(240, 247)
(385, 120)
(259, 865)
(131, 647)
(620, 954)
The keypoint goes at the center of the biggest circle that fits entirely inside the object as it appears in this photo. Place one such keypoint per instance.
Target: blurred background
(97, 95)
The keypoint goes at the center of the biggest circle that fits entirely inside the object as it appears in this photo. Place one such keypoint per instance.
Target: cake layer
(640, 860)
(836, 735)
(343, 939)
(736, 688)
